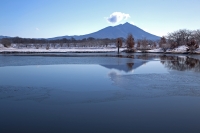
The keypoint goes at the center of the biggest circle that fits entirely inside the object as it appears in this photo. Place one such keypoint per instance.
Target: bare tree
(180, 37)
(138, 44)
(54, 45)
(61, 44)
(144, 44)
(154, 45)
(163, 44)
(130, 42)
(192, 46)
(196, 35)
(173, 44)
(105, 41)
(47, 46)
(37, 46)
(6, 42)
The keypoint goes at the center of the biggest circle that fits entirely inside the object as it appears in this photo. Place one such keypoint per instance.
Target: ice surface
(60, 92)
(159, 85)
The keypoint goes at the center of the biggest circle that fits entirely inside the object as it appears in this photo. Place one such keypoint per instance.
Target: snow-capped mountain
(121, 30)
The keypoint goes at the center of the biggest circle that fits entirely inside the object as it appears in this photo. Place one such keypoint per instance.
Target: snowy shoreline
(59, 50)
(179, 50)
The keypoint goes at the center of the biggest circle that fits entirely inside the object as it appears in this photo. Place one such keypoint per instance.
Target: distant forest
(68, 42)
(18, 40)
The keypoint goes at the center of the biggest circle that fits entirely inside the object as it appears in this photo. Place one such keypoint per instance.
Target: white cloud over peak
(116, 17)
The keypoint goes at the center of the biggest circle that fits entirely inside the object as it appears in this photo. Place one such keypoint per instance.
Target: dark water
(99, 93)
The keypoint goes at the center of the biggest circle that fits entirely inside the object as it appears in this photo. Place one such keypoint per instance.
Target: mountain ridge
(112, 32)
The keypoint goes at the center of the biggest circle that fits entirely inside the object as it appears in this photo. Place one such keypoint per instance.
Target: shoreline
(91, 50)
(51, 52)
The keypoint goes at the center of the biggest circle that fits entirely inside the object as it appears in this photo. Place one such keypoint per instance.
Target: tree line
(68, 42)
(189, 38)
(129, 42)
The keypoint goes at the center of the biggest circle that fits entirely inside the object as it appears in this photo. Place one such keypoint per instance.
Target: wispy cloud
(116, 17)
(37, 29)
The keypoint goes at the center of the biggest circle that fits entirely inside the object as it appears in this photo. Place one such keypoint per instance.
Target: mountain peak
(127, 23)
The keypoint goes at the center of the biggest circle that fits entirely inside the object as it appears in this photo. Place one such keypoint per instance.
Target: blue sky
(51, 18)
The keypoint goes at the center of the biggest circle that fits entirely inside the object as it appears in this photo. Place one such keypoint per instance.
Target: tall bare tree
(163, 44)
(144, 44)
(130, 42)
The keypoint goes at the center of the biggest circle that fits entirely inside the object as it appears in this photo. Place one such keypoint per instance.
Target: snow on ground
(180, 49)
(67, 50)
(1, 46)
(158, 50)
(198, 51)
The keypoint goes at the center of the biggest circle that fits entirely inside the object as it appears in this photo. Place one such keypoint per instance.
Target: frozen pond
(97, 93)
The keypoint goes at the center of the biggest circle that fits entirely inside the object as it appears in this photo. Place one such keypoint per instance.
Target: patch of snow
(155, 50)
(14, 45)
(197, 50)
(1, 46)
(180, 49)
